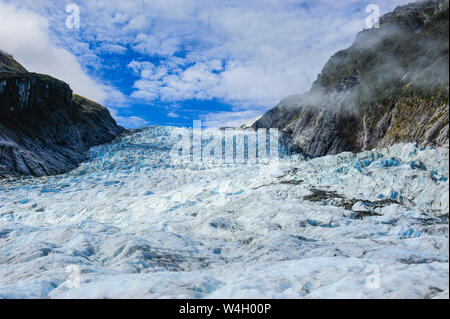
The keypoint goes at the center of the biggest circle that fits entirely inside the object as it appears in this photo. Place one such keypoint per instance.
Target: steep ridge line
(45, 129)
(390, 86)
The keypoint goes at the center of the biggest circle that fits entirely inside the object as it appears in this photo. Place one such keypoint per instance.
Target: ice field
(131, 223)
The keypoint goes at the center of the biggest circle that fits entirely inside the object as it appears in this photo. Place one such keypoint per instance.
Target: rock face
(390, 86)
(8, 64)
(44, 128)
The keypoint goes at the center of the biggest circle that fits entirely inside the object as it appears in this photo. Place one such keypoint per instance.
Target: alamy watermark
(373, 20)
(73, 277)
(73, 19)
(373, 277)
(225, 146)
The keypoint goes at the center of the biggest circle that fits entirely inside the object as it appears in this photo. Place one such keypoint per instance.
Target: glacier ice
(138, 225)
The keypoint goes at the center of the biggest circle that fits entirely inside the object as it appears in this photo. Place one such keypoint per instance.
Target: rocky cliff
(390, 86)
(44, 128)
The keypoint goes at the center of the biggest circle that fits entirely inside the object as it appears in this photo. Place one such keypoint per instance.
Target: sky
(169, 62)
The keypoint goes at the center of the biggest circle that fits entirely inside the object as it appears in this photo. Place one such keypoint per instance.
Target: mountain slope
(44, 128)
(390, 86)
(8, 64)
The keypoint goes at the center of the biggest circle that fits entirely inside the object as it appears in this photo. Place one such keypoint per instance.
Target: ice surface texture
(137, 225)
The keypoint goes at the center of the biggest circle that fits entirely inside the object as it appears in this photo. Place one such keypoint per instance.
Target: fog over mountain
(390, 86)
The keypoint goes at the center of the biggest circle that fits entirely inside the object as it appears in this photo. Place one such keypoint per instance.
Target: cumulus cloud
(152, 45)
(112, 48)
(173, 115)
(245, 53)
(250, 54)
(25, 35)
(128, 121)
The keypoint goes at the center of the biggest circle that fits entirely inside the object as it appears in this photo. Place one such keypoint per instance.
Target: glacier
(135, 224)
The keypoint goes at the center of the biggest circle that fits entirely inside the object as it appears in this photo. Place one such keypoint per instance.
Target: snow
(362, 207)
(138, 225)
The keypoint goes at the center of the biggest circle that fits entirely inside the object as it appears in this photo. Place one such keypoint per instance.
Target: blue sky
(170, 62)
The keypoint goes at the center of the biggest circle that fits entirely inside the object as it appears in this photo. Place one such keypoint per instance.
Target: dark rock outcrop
(8, 64)
(44, 128)
(390, 86)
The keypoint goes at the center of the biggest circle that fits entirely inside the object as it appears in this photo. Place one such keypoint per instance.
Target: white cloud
(113, 48)
(146, 90)
(173, 115)
(247, 53)
(152, 45)
(137, 23)
(128, 121)
(263, 50)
